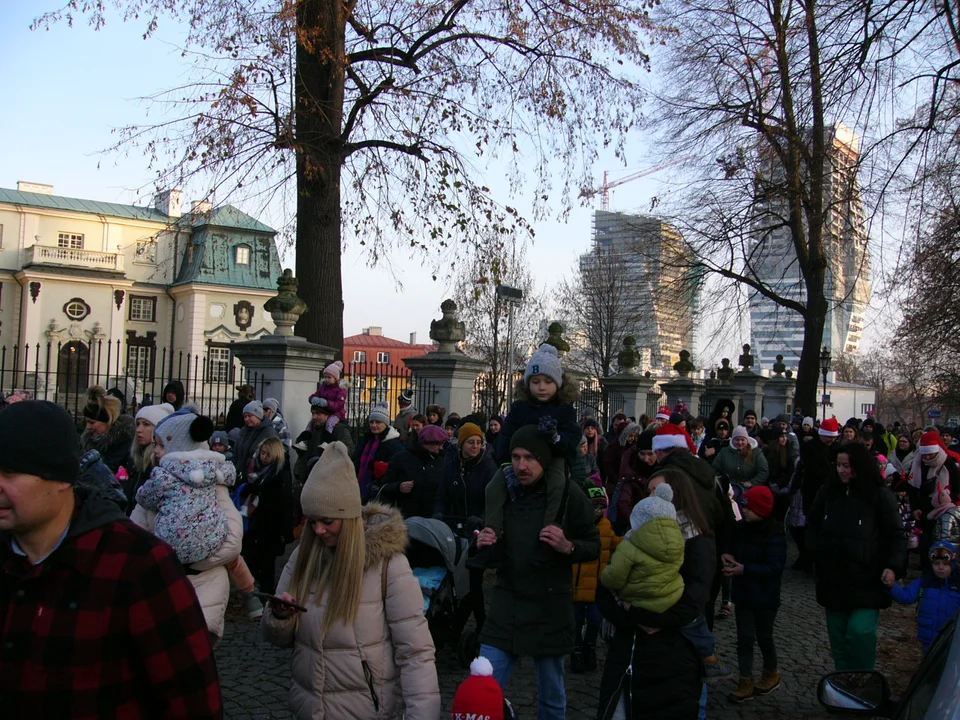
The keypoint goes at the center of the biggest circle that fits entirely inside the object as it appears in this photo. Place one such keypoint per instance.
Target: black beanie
(39, 438)
(530, 438)
(645, 441)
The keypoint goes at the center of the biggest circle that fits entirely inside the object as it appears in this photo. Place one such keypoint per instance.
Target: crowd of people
(135, 531)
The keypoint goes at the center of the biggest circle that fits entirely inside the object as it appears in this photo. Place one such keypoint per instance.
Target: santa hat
(930, 442)
(830, 428)
(670, 436)
(663, 413)
(479, 695)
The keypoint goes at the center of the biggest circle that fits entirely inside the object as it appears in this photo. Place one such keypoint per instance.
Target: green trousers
(853, 638)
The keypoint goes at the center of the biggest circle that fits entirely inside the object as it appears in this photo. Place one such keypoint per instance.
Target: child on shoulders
(332, 394)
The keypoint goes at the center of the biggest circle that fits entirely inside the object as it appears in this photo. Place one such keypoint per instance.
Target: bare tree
(377, 111)
(486, 315)
(754, 91)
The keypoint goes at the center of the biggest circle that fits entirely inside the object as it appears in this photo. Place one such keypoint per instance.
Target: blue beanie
(545, 361)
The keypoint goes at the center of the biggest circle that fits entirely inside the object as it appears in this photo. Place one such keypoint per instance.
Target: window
(867, 408)
(143, 309)
(146, 252)
(73, 241)
(359, 356)
(76, 309)
(243, 254)
(1, 237)
(138, 361)
(219, 364)
(383, 358)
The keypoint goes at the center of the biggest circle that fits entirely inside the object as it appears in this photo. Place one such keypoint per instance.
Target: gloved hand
(322, 402)
(548, 426)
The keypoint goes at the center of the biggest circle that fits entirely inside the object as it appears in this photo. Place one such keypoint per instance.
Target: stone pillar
(288, 365)
(778, 391)
(717, 391)
(452, 374)
(628, 387)
(750, 384)
(683, 388)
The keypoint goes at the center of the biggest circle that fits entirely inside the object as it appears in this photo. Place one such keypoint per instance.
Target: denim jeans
(552, 697)
(699, 635)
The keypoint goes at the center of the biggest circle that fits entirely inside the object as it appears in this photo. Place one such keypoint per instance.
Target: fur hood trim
(122, 432)
(189, 455)
(385, 532)
(568, 393)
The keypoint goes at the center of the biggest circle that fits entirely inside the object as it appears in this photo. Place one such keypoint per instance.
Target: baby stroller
(438, 558)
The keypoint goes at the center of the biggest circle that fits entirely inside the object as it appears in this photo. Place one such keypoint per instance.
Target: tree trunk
(808, 369)
(321, 26)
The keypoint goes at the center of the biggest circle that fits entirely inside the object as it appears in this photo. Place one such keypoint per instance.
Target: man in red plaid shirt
(98, 618)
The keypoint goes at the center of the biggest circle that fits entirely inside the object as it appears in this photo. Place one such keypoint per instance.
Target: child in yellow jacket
(585, 578)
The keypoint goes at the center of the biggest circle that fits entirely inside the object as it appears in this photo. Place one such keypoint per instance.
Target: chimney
(169, 202)
(32, 187)
(373, 331)
(201, 207)
(413, 338)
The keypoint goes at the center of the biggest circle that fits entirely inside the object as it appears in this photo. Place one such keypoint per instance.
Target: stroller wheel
(467, 648)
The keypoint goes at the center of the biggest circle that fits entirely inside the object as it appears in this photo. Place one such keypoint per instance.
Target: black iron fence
(655, 398)
(63, 371)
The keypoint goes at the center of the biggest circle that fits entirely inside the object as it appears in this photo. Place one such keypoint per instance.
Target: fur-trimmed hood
(568, 393)
(121, 433)
(199, 468)
(385, 532)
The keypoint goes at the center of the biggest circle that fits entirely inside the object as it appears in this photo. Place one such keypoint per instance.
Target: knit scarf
(513, 482)
(366, 463)
(259, 474)
(939, 475)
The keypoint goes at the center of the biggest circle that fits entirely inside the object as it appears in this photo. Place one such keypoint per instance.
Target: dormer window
(243, 254)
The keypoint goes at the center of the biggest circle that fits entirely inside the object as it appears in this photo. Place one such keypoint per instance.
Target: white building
(777, 330)
(104, 293)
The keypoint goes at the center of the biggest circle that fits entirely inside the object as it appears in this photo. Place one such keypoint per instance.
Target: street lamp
(824, 368)
(513, 296)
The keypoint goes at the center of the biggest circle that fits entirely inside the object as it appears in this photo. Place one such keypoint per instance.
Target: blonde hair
(275, 452)
(97, 396)
(142, 455)
(335, 571)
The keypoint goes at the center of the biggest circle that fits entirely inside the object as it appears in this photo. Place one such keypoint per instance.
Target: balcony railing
(46, 255)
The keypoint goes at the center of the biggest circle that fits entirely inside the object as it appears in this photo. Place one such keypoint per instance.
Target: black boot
(576, 661)
(589, 658)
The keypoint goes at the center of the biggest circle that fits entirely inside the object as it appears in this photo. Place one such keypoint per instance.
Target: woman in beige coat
(363, 649)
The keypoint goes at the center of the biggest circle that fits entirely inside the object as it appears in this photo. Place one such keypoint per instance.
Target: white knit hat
(380, 413)
(658, 505)
(808, 421)
(155, 413)
(545, 361)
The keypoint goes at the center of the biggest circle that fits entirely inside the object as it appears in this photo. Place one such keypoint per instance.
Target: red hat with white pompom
(479, 696)
(663, 413)
(930, 442)
(829, 428)
(670, 435)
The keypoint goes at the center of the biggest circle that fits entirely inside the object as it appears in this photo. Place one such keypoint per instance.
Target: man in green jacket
(532, 608)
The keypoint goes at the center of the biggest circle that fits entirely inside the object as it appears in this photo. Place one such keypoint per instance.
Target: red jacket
(108, 626)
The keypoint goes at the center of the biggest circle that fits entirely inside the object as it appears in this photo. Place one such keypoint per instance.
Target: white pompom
(482, 667)
(664, 491)
(218, 476)
(548, 350)
(196, 476)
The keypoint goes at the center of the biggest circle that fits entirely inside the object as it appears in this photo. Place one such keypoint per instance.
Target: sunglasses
(942, 554)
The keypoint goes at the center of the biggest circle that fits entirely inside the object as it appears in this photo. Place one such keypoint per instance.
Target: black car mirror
(855, 692)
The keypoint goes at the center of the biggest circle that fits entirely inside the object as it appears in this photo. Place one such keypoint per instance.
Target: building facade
(777, 330)
(654, 266)
(111, 294)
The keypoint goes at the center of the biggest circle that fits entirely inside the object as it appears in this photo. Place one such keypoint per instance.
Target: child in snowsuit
(756, 561)
(645, 568)
(545, 400)
(332, 394)
(937, 591)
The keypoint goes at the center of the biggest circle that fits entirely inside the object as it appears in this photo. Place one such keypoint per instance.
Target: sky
(68, 89)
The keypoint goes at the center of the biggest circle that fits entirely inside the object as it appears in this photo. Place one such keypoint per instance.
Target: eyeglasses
(942, 554)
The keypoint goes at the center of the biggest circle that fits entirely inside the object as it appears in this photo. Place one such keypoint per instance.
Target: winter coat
(209, 578)
(528, 411)
(235, 413)
(114, 445)
(923, 486)
(176, 387)
(730, 462)
(610, 465)
(710, 426)
(939, 603)
(586, 575)
(283, 432)
(95, 474)
(106, 626)
(666, 670)
(183, 492)
(314, 438)
(778, 475)
(402, 423)
(385, 660)
(645, 569)
(905, 465)
(389, 446)
(705, 484)
(271, 522)
(462, 491)
(334, 397)
(531, 612)
(762, 550)
(715, 444)
(818, 464)
(854, 538)
(422, 468)
(247, 445)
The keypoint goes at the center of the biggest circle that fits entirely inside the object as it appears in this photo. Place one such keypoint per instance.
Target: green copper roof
(211, 258)
(229, 217)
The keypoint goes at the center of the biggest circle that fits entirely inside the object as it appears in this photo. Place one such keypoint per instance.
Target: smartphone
(280, 601)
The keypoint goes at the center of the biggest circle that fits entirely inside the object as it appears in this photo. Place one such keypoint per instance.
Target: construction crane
(607, 186)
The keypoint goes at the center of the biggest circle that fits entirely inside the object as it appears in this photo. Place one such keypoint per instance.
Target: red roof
(379, 341)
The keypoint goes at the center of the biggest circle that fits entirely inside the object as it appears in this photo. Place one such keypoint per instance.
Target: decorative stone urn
(629, 357)
(448, 331)
(684, 367)
(286, 307)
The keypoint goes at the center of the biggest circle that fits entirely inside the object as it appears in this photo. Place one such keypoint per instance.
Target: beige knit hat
(332, 490)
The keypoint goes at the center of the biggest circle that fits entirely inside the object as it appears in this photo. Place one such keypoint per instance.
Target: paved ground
(255, 676)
